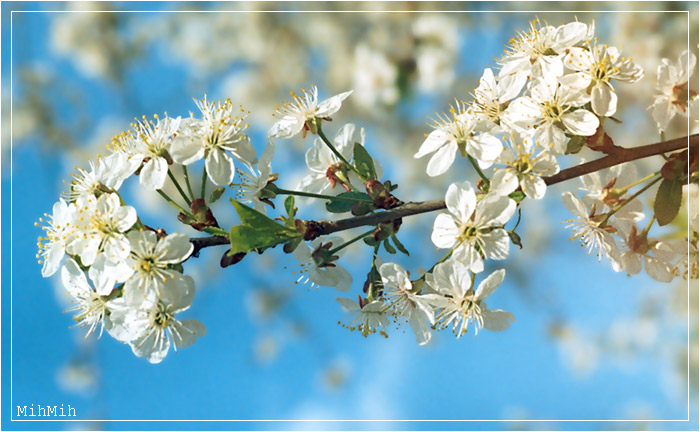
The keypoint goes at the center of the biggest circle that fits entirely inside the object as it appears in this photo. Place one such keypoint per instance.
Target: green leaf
(389, 248)
(245, 239)
(400, 245)
(215, 231)
(254, 219)
(292, 244)
(364, 163)
(517, 196)
(370, 241)
(215, 195)
(289, 206)
(340, 205)
(668, 201)
(515, 239)
(575, 144)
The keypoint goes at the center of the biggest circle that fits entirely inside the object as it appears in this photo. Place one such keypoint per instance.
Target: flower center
(523, 165)
(163, 315)
(681, 95)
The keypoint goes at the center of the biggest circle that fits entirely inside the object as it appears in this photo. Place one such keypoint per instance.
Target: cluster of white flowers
(134, 285)
(609, 229)
(554, 88)
(550, 97)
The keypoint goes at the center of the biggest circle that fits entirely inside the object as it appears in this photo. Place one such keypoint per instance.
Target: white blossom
(656, 257)
(457, 131)
(598, 66)
(459, 305)
(474, 229)
(603, 196)
(59, 233)
(153, 326)
(323, 163)
(492, 97)
(552, 110)
(525, 167)
(302, 112)
(219, 132)
(367, 317)
(92, 302)
(106, 174)
(589, 229)
(539, 50)
(405, 302)
(254, 181)
(319, 267)
(150, 260)
(672, 84)
(102, 223)
(150, 144)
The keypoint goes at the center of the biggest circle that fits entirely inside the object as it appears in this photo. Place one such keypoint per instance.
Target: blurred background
(588, 343)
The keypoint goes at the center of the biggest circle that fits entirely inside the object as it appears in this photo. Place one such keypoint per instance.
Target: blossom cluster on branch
(551, 96)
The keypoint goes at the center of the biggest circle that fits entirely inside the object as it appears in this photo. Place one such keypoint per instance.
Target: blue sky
(472, 378)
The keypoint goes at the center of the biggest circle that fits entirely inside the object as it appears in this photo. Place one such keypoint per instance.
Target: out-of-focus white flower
(552, 110)
(149, 260)
(691, 198)
(302, 112)
(598, 66)
(252, 182)
(604, 196)
(154, 327)
(689, 264)
(474, 229)
(320, 267)
(672, 85)
(218, 133)
(589, 229)
(436, 38)
(366, 317)
(457, 131)
(538, 51)
(60, 232)
(374, 79)
(103, 223)
(655, 255)
(150, 145)
(458, 303)
(404, 302)
(524, 168)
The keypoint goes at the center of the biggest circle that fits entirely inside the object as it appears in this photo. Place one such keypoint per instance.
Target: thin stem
(337, 154)
(478, 170)
(204, 182)
(651, 222)
(631, 185)
(348, 243)
(179, 188)
(187, 181)
(630, 199)
(174, 204)
(281, 191)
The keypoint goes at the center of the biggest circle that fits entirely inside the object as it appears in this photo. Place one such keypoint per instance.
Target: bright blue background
(218, 378)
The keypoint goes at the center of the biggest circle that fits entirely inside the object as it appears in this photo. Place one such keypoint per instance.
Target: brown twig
(413, 208)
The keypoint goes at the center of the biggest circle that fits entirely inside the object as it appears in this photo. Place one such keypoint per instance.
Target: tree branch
(621, 155)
